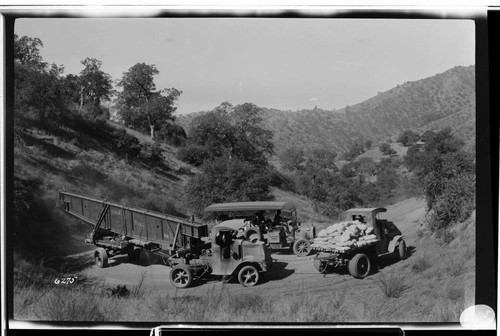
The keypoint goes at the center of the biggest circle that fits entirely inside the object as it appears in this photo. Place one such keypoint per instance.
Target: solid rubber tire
(248, 271)
(354, 266)
(181, 276)
(101, 257)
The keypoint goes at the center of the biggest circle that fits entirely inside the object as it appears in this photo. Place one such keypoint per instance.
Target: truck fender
(245, 263)
(394, 243)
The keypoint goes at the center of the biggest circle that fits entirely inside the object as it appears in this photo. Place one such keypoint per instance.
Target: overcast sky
(281, 63)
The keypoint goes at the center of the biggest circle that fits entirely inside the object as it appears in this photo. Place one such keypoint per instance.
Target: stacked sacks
(344, 236)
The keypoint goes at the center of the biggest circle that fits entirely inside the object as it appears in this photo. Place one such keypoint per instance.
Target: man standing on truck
(277, 218)
(260, 221)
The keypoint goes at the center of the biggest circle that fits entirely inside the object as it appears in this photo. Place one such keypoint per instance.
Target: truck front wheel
(181, 276)
(359, 266)
(248, 276)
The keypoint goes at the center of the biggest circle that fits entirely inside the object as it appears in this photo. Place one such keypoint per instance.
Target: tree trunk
(81, 99)
(153, 134)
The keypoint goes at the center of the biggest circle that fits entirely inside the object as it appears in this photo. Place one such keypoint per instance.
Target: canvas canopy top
(250, 206)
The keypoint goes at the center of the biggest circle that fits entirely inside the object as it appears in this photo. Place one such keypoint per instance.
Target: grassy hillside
(81, 157)
(446, 99)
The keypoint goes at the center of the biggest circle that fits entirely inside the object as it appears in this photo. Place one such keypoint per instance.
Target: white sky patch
(271, 62)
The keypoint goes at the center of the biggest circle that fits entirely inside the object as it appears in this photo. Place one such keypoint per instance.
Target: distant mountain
(446, 99)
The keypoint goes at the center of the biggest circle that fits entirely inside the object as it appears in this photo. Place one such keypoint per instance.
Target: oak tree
(140, 105)
(95, 84)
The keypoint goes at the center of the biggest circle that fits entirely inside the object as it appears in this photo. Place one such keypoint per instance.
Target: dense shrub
(322, 158)
(92, 112)
(455, 202)
(427, 136)
(366, 166)
(34, 227)
(276, 179)
(408, 138)
(387, 180)
(386, 149)
(445, 235)
(152, 154)
(172, 134)
(368, 144)
(349, 169)
(355, 149)
(193, 154)
(126, 144)
(447, 177)
(292, 158)
(226, 180)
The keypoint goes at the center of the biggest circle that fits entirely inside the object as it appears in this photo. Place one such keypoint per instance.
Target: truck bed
(140, 224)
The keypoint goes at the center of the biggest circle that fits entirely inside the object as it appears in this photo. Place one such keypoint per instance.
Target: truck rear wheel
(359, 266)
(101, 257)
(134, 255)
(248, 276)
(302, 247)
(181, 276)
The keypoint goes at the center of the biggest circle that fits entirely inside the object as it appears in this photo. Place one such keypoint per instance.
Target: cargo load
(344, 236)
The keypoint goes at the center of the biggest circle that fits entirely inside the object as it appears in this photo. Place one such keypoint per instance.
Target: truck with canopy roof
(273, 222)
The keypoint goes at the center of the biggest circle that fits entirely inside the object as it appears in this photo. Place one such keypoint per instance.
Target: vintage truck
(177, 242)
(230, 255)
(253, 220)
(362, 260)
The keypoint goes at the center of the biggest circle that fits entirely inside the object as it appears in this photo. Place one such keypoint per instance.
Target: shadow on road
(71, 264)
(277, 272)
(410, 250)
(144, 259)
(391, 259)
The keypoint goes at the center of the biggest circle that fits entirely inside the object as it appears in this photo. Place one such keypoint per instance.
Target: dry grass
(420, 264)
(456, 266)
(77, 304)
(76, 166)
(394, 285)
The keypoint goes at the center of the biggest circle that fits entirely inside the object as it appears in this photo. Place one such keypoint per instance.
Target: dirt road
(288, 274)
